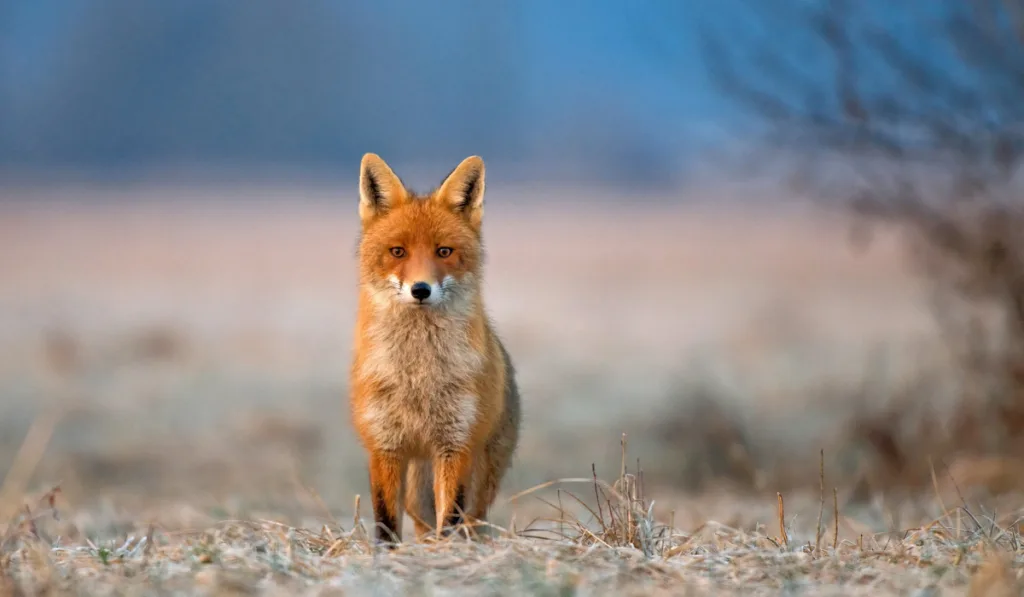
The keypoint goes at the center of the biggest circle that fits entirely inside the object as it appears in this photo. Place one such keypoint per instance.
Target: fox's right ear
(379, 188)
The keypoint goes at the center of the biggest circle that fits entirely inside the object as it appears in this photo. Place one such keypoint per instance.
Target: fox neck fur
(419, 347)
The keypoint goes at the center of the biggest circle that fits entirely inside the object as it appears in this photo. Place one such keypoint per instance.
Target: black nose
(420, 290)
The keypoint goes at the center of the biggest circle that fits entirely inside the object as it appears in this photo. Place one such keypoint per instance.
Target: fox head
(421, 251)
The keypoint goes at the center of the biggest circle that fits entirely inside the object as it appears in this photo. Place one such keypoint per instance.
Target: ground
(180, 357)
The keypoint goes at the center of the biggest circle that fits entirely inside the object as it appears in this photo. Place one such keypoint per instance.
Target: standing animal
(433, 390)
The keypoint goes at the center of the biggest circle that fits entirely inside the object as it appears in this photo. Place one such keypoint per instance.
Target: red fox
(433, 391)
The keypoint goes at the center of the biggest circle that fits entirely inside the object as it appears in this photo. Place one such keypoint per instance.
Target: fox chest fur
(418, 373)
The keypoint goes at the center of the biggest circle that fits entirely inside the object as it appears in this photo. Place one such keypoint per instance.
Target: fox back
(433, 397)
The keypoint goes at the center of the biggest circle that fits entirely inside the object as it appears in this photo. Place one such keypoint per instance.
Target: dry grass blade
(547, 484)
(588, 508)
(597, 498)
(25, 461)
(935, 486)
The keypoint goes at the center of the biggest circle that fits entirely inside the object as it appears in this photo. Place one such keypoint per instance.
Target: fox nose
(420, 290)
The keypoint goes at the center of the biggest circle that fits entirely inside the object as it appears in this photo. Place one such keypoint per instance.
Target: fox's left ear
(463, 190)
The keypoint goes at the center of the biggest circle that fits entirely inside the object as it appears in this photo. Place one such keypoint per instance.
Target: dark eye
(397, 251)
(444, 252)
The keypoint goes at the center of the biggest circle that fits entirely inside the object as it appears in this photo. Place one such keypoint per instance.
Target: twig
(611, 513)
(782, 521)
(640, 483)
(622, 472)
(561, 512)
(821, 504)
(624, 488)
(835, 514)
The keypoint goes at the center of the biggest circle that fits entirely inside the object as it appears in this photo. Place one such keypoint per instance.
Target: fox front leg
(387, 472)
(451, 471)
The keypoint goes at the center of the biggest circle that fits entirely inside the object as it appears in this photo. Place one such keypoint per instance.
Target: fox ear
(463, 189)
(379, 188)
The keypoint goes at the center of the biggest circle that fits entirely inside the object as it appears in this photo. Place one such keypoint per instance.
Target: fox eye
(444, 252)
(397, 252)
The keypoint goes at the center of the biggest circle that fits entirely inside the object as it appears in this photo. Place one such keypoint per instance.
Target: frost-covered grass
(621, 551)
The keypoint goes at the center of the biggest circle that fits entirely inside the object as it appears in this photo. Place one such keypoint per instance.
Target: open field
(193, 355)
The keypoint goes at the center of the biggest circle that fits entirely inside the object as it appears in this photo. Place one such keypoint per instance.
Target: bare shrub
(908, 116)
(710, 440)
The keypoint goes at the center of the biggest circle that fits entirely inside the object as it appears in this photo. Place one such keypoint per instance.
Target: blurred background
(741, 233)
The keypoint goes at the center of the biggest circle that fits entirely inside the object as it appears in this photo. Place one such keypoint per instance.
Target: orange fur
(433, 392)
